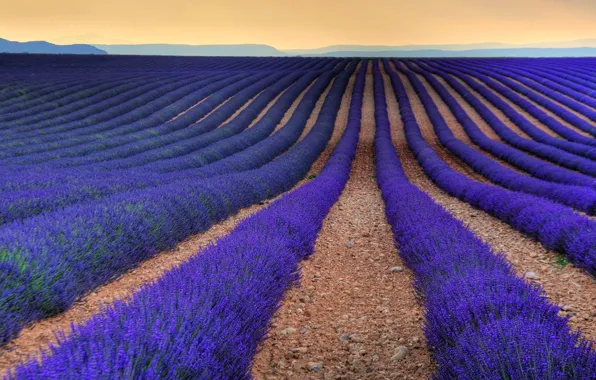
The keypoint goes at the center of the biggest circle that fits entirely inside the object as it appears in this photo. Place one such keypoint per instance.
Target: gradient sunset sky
(298, 24)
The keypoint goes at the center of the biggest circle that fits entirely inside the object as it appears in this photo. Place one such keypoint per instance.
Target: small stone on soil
(315, 366)
(299, 350)
(397, 269)
(350, 244)
(289, 330)
(400, 353)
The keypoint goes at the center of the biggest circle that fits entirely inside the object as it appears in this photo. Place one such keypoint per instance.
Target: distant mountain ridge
(576, 48)
(583, 43)
(247, 50)
(43, 47)
(474, 53)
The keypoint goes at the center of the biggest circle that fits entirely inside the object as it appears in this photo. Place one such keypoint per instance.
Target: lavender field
(483, 171)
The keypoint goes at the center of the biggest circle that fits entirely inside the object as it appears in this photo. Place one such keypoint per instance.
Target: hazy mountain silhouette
(373, 48)
(248, 50)
(584, 43)
(473, 53)
(576, 48)
(42, 47)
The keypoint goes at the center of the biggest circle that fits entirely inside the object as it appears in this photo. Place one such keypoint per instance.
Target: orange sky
(288, 24)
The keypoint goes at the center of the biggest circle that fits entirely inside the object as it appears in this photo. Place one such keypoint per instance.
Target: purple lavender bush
(482, 321)
(205, 319)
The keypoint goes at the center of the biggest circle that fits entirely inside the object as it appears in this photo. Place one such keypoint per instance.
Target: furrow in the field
(518, 162)
(566, 147)
(73, 104)
(289, 165)
(455, 126)
(194, 106)
(526, 114)
(350, 311)
(483, 125)
(564, 284)
(313, 117)
(134, 114)
(552, 114)
(428, 132)
(37, 338)
(581, 116)
(53, 91)
(292, 109)
(42, 333)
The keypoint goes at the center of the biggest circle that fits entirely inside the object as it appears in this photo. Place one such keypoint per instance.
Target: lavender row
(215, 110)
(481, 320)
(52, 130)
(549, 101)
(55, 89)
(117, 148)
(574, 196)
(23, 204)
(209, 97)
(74, 178)
(90, 95)
(536, 167)
(564, 153)
(146, 116)
(206, 318)
(581, 101)
(555, 226)
(576, 86)
(52, 259)
(187, 101)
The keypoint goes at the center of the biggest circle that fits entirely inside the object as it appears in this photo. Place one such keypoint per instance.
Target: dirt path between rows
(37, 337)
(564, 285)
(350, 312)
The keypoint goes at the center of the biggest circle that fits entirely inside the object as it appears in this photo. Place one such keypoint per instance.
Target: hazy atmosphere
(303, 24)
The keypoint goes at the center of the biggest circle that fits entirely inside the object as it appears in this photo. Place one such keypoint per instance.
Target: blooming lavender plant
(205, 319)
(52, 259)
(482, 322)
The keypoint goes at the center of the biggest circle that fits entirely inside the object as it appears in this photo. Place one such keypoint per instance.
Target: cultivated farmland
(206, 218)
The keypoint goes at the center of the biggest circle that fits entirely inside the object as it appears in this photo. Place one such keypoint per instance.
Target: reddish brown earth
(532, 119)
(351, 313)
(570, 125)
(566, 286)
(38, 336)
